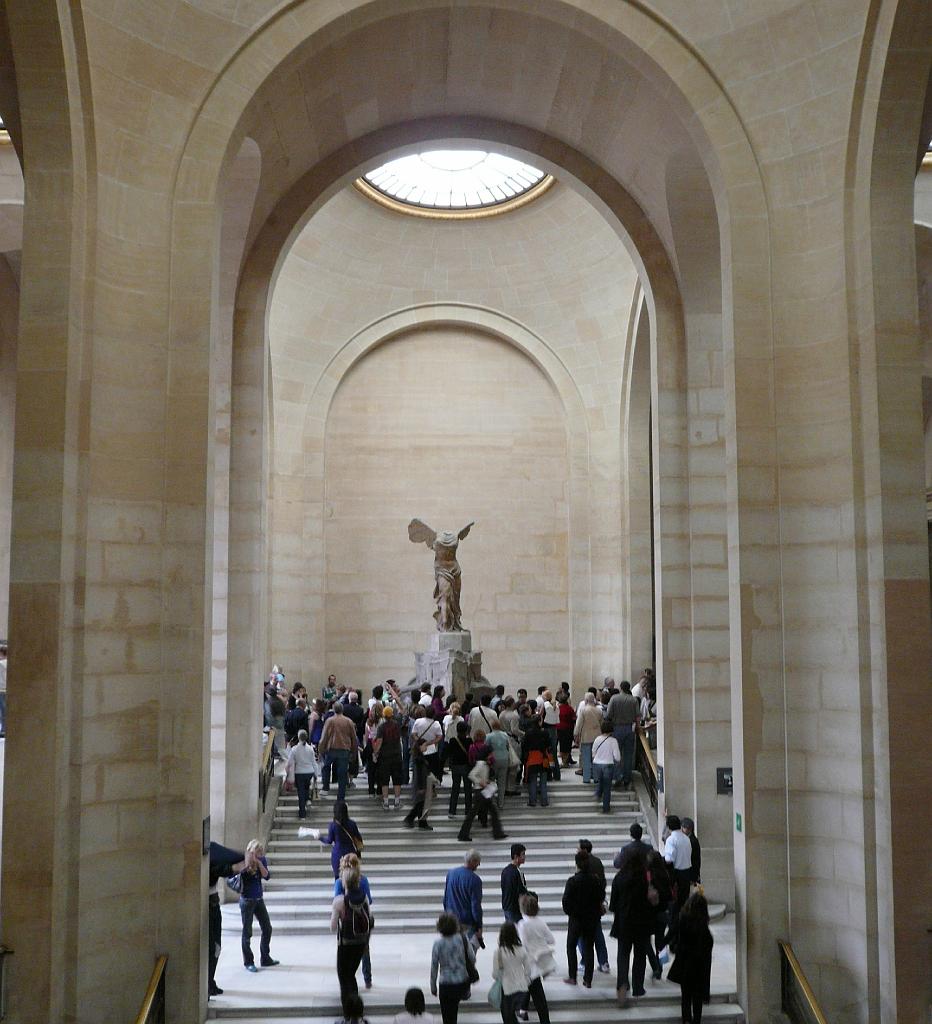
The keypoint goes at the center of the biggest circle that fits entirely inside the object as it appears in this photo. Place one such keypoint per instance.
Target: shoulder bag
(495, 992)
(355, 840)
(471, 971)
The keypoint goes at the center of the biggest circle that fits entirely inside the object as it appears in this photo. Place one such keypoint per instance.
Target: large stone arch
(662, 298)
(889, 514)
(493, 324)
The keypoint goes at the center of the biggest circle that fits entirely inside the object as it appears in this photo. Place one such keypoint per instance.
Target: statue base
(451, 662)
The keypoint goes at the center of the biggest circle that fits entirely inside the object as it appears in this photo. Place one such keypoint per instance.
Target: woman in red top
(565, 729)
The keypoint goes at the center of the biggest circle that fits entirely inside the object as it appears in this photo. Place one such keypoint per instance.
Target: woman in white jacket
(539, 944)
(511, 966)
(301, 769)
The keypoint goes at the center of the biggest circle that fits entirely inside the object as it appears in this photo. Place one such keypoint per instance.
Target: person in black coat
(582, 904)
(632, 924)
(513, 884)
(691, 941)
(223, 862)
(695, 867)
(659, 878)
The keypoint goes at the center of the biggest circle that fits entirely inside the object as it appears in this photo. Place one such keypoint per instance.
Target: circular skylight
(455, 180)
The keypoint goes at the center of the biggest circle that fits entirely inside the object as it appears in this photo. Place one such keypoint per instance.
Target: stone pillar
(9, 329)
(637, 541)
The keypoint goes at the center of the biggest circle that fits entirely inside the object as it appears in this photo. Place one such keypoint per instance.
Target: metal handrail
(152, 1010)
(266, 768)
(801, 1008)
(646, 765)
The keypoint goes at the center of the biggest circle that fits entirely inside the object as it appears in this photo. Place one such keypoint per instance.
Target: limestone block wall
(450, 426)
(554, 266)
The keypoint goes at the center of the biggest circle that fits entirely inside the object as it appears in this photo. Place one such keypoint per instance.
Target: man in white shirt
(482, 717)
(678, 853)
(425, 700)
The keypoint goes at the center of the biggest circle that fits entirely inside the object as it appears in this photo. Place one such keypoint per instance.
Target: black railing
(152, 1010)
(266, 769)
(4, 953)
(798, 1000)
(646, 765)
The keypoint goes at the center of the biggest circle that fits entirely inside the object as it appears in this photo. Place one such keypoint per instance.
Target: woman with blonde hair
(349, 865)
(351, 919)
(252, 906)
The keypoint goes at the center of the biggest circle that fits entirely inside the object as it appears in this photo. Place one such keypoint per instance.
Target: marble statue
(447, 574)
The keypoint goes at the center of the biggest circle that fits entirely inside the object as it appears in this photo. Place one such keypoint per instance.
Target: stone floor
(406, 871)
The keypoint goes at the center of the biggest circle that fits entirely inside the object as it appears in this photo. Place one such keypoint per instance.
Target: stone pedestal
(451, 662)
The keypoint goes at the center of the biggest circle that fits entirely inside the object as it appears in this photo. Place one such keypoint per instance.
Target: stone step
(660, 1005)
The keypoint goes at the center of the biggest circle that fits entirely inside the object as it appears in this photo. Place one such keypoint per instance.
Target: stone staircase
(406, 870)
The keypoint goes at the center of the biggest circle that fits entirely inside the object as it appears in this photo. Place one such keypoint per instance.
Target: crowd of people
(493, 747)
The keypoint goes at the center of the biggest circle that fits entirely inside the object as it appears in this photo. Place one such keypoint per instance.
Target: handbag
(357, 842)
(495, 995)
(653, 896)
(471, 970)
(514, 758)
(235, 882)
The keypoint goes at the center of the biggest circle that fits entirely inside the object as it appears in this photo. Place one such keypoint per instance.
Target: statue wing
(418, 532)
(465, 530)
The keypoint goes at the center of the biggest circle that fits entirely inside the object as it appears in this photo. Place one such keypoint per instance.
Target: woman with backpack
(691, 941)
(511, 966)
(351, 919)
(351, 863)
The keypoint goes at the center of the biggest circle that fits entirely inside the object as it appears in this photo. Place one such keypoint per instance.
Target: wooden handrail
(266, 769)
(802, 981)
(156, 983)
(267, 750)
(648, 753)
(647, 766)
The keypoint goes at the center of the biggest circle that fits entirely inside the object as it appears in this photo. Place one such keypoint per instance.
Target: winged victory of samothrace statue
(447, 575)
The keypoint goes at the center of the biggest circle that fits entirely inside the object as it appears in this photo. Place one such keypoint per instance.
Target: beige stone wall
(803, 118)
(450, 426)
(556, 268)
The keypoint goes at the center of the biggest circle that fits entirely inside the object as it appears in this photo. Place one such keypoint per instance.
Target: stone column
(9, 329)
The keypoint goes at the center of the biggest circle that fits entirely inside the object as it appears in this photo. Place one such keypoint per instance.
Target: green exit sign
(738, 822)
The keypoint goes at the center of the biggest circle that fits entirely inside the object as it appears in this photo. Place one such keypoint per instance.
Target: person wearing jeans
(582, 904)
(605, 756)
(588, 727)
(301, 769)
(338, 743)
(252, 907)
(456, 755)
(536, 755)
(623, 712)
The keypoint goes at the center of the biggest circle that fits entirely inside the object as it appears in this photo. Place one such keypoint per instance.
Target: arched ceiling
(513, 65)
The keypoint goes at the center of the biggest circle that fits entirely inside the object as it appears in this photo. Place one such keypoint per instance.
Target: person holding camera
(252, 906)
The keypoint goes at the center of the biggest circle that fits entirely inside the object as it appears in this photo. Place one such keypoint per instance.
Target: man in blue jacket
(462, 896)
